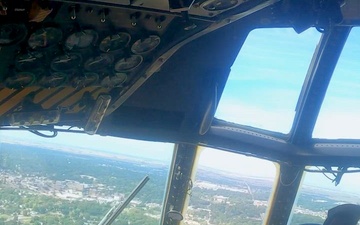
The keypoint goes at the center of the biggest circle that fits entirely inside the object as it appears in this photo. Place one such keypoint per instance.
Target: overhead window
(266, 78)
(339, 114)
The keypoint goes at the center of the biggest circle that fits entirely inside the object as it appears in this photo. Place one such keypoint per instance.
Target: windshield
(230, 189)
(76, 179)
(318, 194)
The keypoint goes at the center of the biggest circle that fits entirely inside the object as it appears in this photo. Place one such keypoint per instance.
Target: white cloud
(275, 119)
(107, 144)
(238, 164)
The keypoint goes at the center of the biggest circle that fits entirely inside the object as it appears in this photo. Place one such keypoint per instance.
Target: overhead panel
(80, 52)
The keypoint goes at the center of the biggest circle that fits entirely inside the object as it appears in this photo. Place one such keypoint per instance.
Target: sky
(143, 149)
(262, 91)
(264, 94)
(266, 78)
(339, 116)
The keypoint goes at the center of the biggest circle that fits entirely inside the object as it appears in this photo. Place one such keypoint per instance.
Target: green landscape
(41, 186)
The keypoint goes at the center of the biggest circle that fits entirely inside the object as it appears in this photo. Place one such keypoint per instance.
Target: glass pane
(230, 189)
(339, 114)
(266, 78)
(76, 179)
(318, 194)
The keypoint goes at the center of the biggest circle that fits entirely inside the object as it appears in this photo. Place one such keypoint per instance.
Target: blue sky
(339, 115)
(266, 78)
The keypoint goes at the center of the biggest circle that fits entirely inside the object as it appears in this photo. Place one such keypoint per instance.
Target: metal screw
(103, 18)
(134, 18)
(103, 14)
(73, 12)
(159, 20)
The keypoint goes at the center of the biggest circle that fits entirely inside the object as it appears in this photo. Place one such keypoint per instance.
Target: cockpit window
(77, 179)
(318, 194)
(230, 189)
(266, 78)
(339, 114)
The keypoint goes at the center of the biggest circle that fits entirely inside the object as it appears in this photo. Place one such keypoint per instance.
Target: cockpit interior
(160, 71)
